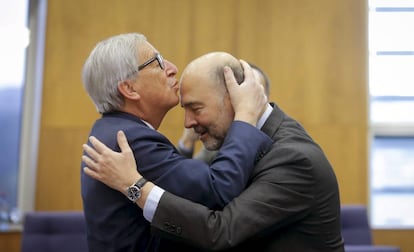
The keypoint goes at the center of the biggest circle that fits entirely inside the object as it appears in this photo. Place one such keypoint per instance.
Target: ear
(127, 89)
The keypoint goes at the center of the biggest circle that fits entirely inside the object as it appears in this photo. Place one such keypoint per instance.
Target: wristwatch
(134, 191)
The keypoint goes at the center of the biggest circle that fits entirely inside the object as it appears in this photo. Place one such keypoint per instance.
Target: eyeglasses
(157, 57)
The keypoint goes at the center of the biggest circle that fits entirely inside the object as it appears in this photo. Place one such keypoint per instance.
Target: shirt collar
(148, 124)
(264, 116)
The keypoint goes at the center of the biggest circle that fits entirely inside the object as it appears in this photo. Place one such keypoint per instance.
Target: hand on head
(118, 170)
(248, 98)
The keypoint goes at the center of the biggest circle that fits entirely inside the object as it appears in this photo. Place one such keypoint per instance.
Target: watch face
(134, 193)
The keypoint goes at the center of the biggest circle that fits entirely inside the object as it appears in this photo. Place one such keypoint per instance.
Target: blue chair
(355, 227)
(370, 248)
(54, 231)
(357, 232)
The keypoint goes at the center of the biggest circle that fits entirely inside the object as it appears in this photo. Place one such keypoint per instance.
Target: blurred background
(342, 68)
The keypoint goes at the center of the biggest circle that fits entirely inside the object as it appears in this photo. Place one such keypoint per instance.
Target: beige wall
(315, 53)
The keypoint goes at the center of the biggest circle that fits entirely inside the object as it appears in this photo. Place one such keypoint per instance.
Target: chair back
(54, 231)
(355, 226)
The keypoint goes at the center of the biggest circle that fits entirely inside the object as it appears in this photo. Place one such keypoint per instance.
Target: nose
(189, 121)
(170, 68)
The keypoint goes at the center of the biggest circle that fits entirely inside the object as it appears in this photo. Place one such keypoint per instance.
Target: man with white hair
(133, 87)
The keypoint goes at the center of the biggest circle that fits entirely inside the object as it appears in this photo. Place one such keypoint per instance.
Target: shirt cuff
(151, 203)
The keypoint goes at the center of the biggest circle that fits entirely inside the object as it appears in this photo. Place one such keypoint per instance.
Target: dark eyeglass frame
(158, 57)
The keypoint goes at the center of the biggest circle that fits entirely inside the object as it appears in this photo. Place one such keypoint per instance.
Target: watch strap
(141, 182)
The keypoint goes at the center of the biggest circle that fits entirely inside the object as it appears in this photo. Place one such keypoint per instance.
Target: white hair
(111, 61)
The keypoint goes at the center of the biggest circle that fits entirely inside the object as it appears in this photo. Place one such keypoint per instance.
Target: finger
(247, 70)
(245, 65)
(98, 145)
(91, 152)
(89, 162)
(123, 142)
(230, 79)
(90, 173)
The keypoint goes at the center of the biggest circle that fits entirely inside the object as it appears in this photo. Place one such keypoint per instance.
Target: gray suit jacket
(291, 203)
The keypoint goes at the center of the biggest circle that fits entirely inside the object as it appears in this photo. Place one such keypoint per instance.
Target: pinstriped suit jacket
(291, 203)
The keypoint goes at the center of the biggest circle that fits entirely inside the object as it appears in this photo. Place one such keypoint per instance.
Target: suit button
(169, 227)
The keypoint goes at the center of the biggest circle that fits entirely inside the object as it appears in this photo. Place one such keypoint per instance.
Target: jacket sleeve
(280, 195)
(212, 185)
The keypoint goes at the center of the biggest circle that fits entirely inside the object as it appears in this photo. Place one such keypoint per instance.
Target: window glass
(392, 75)
(392, 29)
(391, 60)
(392, 110)
(392, 187)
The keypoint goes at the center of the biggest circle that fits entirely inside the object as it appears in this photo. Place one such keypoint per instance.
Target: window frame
(32, 102)
(390, 129)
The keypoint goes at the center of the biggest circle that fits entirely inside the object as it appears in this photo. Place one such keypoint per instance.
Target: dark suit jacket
(116, 224)
(291, 204)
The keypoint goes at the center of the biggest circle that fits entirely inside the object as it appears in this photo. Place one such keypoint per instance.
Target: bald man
(292, 199)
(188, 139)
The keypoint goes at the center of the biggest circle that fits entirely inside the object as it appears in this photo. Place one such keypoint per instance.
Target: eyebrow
(191, 104)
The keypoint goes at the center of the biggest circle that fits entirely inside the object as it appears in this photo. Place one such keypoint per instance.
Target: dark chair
(355, 227)
(370, 248)
(357, 232)
(54, 231)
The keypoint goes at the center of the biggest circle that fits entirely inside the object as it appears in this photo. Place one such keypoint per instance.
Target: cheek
(221, 122)
(168, 92)
(225, 124)
(226, 121)
(217, 117)
(203, 121)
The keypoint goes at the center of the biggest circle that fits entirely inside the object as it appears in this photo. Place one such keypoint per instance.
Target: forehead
(146, 50)
(197, 87)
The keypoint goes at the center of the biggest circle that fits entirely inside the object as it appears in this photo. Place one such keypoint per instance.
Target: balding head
(205, 99)
(211, 66)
